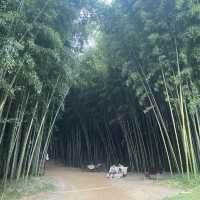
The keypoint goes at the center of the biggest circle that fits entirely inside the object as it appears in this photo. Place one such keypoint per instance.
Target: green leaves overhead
(37, 68)
(135, 88)
(140, 82)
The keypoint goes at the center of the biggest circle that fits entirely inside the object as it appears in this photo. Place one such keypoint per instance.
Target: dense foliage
(138, 101)
(131, 97)
(39, 42)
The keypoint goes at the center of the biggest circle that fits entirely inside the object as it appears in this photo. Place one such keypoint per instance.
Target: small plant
(23, 188)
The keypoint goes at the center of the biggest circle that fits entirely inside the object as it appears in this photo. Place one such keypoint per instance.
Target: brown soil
(74, 184)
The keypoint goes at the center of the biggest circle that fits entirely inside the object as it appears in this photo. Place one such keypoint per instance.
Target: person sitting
(117, 171)
(112, 172)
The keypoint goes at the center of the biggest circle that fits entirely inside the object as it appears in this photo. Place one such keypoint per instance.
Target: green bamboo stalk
(174, 123)
(40, 129)
(25, 142)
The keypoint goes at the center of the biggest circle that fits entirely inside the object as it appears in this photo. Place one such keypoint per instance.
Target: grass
(183, 181)
(192, 195)
(191, 187)
(24, 188)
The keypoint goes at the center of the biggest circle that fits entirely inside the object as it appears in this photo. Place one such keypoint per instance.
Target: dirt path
(73, 184)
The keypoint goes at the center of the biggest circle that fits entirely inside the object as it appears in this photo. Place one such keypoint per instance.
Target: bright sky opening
(108, 2)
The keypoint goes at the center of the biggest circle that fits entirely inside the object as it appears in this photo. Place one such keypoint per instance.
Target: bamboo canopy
(88, 83)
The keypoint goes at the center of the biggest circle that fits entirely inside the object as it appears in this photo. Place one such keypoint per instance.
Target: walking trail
(74, 184)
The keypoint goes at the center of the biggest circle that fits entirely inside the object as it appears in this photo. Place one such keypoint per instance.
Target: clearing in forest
(74, 184)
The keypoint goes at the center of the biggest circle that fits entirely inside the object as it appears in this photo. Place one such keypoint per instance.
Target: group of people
(117, 171)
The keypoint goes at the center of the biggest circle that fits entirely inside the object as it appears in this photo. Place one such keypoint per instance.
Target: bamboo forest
(98, 81)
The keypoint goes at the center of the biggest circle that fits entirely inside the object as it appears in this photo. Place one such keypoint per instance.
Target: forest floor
(75, 184)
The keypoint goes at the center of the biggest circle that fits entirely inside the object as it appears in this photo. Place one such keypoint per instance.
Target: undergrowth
(23, 188)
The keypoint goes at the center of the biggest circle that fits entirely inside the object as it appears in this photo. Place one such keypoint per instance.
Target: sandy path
(73, 184)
